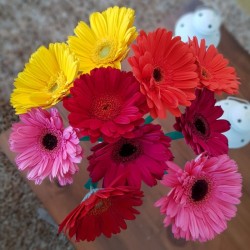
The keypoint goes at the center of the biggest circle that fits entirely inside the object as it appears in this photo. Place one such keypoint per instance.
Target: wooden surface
(147, 231)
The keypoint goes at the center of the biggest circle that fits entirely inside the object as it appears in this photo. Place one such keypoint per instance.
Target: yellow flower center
(56, 83)
(105, 51)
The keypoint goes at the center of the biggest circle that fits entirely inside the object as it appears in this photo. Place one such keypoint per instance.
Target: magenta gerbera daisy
(202, 198)
(201, 126)
(142, 157)
(44, 148)
(106, 103)
(166, 70)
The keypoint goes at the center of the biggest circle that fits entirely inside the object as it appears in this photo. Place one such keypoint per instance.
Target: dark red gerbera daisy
(105, 103)
(201, 126)
(102, 211)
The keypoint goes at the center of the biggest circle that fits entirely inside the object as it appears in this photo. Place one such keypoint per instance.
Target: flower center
(199, 190)
(100, 207)
(105, 51)
(157, 74)
(126, 150)
(205, 74)
(56, 82)
(49, 141)
(201, 125)
(106, 107)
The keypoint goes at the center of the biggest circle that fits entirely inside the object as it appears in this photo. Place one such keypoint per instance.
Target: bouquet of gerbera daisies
(114, 109)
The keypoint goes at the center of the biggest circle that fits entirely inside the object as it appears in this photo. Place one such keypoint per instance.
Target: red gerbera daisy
(166, 70)
(202, 198)
(105, 103)
(102, 211)
(142, 157)
(200, 125)
(213, 69)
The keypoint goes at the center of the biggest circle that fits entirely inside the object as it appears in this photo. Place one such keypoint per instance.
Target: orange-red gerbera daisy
(213, 69)
(166, 70)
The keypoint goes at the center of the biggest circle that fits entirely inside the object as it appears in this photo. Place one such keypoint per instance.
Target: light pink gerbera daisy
(44, 148)
(203, 197)
(142, 157)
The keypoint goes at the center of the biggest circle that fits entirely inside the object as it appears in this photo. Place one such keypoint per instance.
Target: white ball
(198, 24)
(206, 21)
(238, 114)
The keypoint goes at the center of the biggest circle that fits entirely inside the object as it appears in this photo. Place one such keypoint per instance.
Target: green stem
(86, 138)
(90, 185)
(175, 135)
(148, 119)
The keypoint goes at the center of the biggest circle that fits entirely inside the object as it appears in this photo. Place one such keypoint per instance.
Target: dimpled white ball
(237, 112)
(204, 23)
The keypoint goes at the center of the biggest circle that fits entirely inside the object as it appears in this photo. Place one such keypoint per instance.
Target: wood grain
(147, 231)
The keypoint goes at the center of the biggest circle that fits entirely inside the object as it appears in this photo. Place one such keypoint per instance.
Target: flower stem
(148, 119)
(86, 138)
(175, 135)
(90, 185)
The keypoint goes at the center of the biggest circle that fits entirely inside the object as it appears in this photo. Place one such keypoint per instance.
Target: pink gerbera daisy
(166, 70)
(201, 126)
(107, 103)
(102, 211)
(141, 157)
(202, 198)
(213, 70)
(44, 148)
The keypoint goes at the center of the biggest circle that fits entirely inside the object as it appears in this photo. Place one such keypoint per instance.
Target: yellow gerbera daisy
(46, 78)
(106, 42)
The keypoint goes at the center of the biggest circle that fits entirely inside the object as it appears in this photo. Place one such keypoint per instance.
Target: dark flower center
(199, 190)
(201, 126)
(205, 73)
(49, 141)
(126, 150)
(157, 74)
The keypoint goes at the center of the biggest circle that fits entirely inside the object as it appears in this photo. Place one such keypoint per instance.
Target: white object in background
(237, 112)
(202, 23)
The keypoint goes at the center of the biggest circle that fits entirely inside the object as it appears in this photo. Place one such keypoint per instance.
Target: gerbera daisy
(213, 69)
(44, 148)
(202, 197)
(106, 103)
(201, 126)
(143, 157)
(166, 70)
(46, 79)
(106, 42)
(102, 211)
